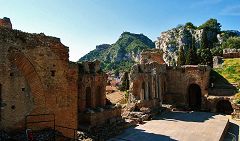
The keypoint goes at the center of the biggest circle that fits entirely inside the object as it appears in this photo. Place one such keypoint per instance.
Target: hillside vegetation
(230, 70)
(121, 55)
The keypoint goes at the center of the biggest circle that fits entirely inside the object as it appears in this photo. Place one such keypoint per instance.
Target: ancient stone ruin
(6, 22)
(92, 107)
(40, 88)
(187, 87)
(38, 83)
(231, 53)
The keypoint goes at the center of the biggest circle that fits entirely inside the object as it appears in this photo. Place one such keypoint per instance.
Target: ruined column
(146, 92)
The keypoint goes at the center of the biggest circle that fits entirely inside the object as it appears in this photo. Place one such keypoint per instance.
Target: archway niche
(194, 97)
(88, 97)
(224, 107)
(99, 96)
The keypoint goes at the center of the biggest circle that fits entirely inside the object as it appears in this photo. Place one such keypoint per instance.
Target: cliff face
(170, 41)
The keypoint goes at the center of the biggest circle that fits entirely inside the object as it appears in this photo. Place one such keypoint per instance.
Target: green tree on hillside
(192, 58)
(204, 53)
(232, 42)
(205, 56)
(125, 82)
(181, 57)
(190, 25)
(211, 24)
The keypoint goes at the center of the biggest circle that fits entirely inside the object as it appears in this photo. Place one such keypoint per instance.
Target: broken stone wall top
(153, 68)
(23, 40)
(190, 68)
(231, 53)
(89, 67)
(6, 22)
(152, 55)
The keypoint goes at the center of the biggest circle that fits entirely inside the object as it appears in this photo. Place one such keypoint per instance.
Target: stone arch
(194, 97)
(33, 79)
(88, 97)
(224, 107)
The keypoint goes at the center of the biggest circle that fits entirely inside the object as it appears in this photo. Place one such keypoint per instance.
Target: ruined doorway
(99, 96)
(194, 97)
(88, 97)
(224, 107)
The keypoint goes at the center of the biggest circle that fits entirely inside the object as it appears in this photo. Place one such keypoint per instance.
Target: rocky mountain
(122, 54)
(170, 41)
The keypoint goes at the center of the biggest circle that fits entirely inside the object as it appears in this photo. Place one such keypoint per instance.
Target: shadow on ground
(233, 130)
(187, 116)
(140, 135)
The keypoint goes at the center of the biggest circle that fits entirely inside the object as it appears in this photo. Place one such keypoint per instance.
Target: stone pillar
(156, 87)
(160, 93)
(142, 94)
(146, 91)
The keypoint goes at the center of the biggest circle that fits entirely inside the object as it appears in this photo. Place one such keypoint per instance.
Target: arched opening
(99, 96)
(224, 107)
(88, 97)
(33, 79)
(194, 97)
(143, 95)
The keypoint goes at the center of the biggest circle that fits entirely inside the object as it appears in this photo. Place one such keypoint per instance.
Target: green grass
(231, 70)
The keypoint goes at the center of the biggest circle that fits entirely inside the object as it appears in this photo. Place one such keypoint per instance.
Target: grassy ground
(230, 70)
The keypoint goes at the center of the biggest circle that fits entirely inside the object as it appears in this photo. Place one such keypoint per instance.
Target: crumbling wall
(231, 53)
(179, 79)
(36, 78)
(6, 22)
(152, 55)
(147, 82)
(93, 110)
(92, 86)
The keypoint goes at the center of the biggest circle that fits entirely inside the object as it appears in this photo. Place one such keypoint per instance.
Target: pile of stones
(104, 131)
(140, 116)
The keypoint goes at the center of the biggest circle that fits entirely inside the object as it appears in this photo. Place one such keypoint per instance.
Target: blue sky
(83, 24)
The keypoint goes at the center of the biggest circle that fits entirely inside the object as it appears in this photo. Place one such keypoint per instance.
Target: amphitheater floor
(178, 126)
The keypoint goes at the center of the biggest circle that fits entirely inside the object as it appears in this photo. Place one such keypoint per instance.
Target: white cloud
(231, 10)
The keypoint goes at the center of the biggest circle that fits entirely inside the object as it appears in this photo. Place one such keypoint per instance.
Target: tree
(189, 59)
(190, 25)
(124, 82)
(181, 57)
(204, 39)
(194, 52)
(205, 56)
(232, 42)
(211, 24)
(204, 53)
(192, 58)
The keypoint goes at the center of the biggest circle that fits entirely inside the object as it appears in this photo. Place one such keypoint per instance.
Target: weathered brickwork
(36, 78)
(6, 23)
(152, 55)
(231, 53)
(147, 82)
(92, 106)
(180, 80)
